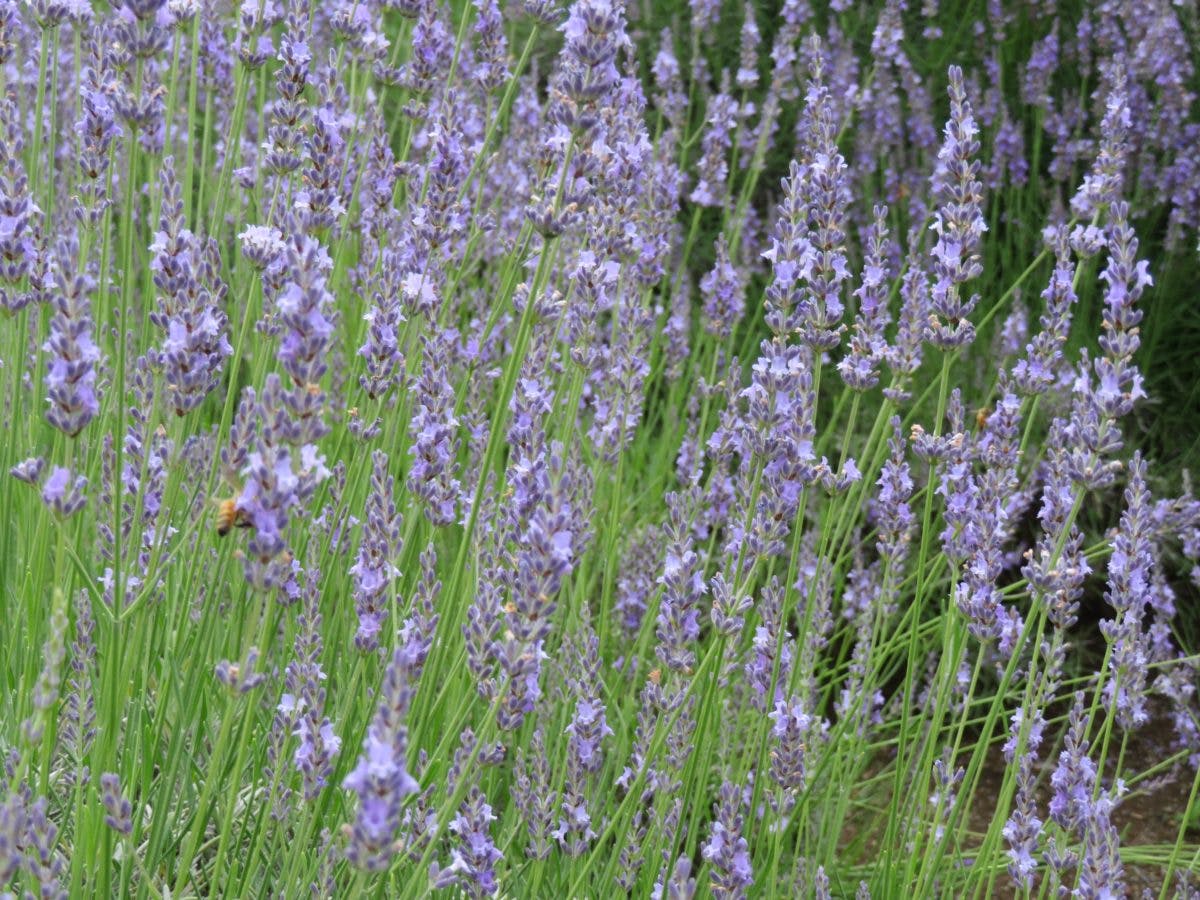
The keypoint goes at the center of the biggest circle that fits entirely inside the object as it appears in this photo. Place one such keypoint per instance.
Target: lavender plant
(553, 448)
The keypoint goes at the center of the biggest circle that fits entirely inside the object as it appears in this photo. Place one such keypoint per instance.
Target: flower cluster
(560, 447)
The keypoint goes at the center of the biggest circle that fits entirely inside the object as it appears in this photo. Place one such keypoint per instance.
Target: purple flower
(1037, 371)
(712, 169)
(240, 678)
(683, 585)
(1075, 774)
(303, 305)
(320, 205)
(1086, 812)
(761, 663)
(1043, 62)
(893, 512)
(821, 885)
(860, 367)
(791, 730)
(276, 480)
(671, 98)
(1130, 571)
(587, 731)
(434, 430)
(747, 73)
(289, 113)
(417, 631)
(473, 862)
(905, 354)
(1057, 577)
(71, 370)
(482, 628)
(723, 290)
(432, 49)
(1023, 827)
(728, 611)
(31, 838)
(680, 886)
(1126, 277)
(77, 725)
(533, 796)
(474, 855)
(705, 15)
(726, 850)
(619, 385)
(47, 687)
(381, 778)
(373, 568)
(190, 302)
(790, 253)
(978, 521)
(51, 13)
(778, 429)
(303, 677)
(546, 544)
(828, 198)
(262, 244)
(958, 222)
(29, 470)
(19, 215)
(945, 791)
(594, 32)
(118, 810)
(491, 68)
(62, 495)
(635, 583)
(1103, 184)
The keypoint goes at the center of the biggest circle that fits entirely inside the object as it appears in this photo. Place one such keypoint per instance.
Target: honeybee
(981, 417)
(230, 515)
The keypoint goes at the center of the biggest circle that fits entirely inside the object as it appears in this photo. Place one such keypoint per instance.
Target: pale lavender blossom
(712, 169)
(1037, 370)
(958, 222)
(19, 214)
(723, 289)
(381, 777)
(1131, 567)
(118, 810)
(304, 677)
(1105, 182)
(860, 367)
(63, 494)
(1023, 828)
(29, 470)
(190, 300)
(747, 73)
(374, 568)
(71, 371)
(474, 854)
(726, 850)
(587, 730)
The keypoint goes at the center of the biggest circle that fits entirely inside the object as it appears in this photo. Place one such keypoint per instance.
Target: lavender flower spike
(318, 743)
(958, 222)
(71, 372)
(190, 300)
(63, 496)
(374, 569)
(726, 850)
(381, 778)
(118, 810)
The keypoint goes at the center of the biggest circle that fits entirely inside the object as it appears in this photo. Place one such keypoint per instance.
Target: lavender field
(548, 449)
